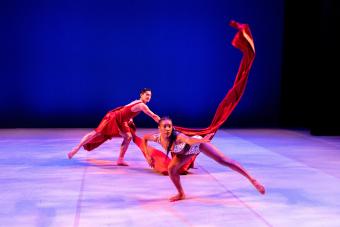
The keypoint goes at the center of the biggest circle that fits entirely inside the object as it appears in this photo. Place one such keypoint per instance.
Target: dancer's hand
(209, 136)
(151, 161)
(205, 140)
(156, 118)
(132, 125)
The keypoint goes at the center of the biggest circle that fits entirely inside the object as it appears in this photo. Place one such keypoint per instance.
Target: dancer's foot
(177, 197)
(121, 162)
(185, 172)
(72, 153)
(259, 187)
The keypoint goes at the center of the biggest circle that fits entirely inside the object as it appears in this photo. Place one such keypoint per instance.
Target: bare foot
(259, 187)
(72, 153)
(177, 197)
(185, 172)
(121, 162)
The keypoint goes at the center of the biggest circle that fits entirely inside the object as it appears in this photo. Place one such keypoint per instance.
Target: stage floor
(41, 187)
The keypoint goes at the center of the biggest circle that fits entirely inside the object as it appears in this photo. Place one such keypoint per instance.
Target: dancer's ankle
(179, 196)
(121, 162)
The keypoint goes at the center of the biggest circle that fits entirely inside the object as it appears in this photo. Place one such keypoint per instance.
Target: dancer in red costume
(117, 122)
(243, 40)
(184, 148)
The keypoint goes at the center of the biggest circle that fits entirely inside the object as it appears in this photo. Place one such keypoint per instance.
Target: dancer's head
(145, 95)
(166, 129)
(165, 126)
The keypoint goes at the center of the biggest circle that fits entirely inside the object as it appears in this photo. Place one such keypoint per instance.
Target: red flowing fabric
(243, 40)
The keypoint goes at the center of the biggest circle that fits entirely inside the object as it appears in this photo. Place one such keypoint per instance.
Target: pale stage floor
(41, 187)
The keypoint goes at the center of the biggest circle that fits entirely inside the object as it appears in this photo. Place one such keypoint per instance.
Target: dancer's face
(146, 96)
(165, 127)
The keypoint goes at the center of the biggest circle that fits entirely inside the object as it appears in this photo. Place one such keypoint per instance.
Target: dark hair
(144, 90)
(173, 135)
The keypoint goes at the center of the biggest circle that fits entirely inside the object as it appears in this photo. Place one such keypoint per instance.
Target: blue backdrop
(66, 63)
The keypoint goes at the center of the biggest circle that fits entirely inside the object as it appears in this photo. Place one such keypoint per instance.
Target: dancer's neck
(164, 138)
(142, 101)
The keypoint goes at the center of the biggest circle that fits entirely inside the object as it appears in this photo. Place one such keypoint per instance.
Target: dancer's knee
(172, 169)
(128, 138)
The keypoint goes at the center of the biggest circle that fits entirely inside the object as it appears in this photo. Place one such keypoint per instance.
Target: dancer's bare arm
(148, 112)
(146, 138)
(189, 140)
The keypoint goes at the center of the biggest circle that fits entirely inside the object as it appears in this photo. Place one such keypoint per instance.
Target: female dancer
(117, 122)
(184, 148)
(243, 40)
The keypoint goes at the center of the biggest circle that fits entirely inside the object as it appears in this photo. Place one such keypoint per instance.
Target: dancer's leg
(124, 146)
(211, 151)
(84, 140)
(175, 165)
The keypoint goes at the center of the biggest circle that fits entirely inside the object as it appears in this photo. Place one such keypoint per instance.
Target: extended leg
(211, 151)
(84, 140)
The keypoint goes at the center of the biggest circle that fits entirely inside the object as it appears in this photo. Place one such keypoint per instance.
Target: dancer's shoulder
(180, 137)
(137, 101)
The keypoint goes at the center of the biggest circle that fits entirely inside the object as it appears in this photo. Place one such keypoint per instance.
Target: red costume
(243, 40)
(115, 121)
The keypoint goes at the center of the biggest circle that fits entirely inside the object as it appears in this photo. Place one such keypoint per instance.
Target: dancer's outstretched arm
(190, 140)
(148, 112)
